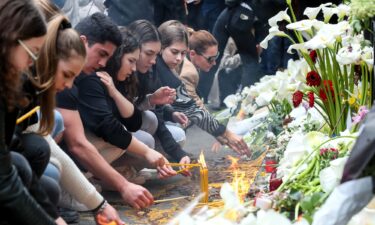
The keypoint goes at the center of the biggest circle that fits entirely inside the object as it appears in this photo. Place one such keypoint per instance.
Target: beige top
(72, 180)
(190, 77)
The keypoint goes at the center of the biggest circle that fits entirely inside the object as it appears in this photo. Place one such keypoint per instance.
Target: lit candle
(203, 178)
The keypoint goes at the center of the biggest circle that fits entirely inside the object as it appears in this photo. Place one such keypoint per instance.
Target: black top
(68, 98)
(99, 113)
(14, 197)
(165, 74)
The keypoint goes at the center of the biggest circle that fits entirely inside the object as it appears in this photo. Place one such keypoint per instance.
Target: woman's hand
(181, 118)
(108, 82)
(137, 196)
(161, 163)
(185, 160)
(109, 214)
(162, 96)
(236, 143)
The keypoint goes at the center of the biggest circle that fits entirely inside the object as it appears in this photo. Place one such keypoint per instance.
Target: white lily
(328, 12)
(264, 98)
(343, 10)
(330, 177)
(313, 139)
(368, 57)
(273, 31)
(250, 108)
(304, 25)
(312, 12)
(327, 35)
(271, 217)
(231, 101)
(349, 55)
(280, 16)
(300, 46)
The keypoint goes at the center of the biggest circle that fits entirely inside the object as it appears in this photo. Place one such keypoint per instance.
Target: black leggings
(45, 190)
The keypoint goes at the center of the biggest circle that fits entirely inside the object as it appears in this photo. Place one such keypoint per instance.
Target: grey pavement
(197, 140)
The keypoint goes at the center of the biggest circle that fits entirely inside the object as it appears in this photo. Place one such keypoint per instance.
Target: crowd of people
(106, 88)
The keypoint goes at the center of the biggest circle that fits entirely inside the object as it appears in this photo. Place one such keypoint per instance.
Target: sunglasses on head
(210, 59)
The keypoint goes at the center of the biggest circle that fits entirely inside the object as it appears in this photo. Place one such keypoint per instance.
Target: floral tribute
(340, 62)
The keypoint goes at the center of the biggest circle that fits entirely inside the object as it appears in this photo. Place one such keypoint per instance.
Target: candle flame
(240, 182)
(234, 162)
(201, 160)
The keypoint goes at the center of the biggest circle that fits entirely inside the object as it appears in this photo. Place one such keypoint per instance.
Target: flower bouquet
(340, 63)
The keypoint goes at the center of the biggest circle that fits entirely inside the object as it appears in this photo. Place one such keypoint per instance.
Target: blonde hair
(62, 43)
(201, 40)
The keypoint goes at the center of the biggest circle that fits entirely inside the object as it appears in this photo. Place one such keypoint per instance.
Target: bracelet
(101, 207)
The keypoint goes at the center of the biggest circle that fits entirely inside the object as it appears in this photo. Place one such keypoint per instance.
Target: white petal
(282, 15)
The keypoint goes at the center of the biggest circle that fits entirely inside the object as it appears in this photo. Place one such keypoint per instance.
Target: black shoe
(69, 215)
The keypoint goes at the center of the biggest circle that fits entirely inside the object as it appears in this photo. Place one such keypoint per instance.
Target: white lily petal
(272, 217)
(313, 139)
(280, 16)
(328, 12)
(229, 196)
(299, 46)
(343, 10)
(349, 55)
(273, 31)
(328, 179)
(232, 101)
(264, 98)
(301, 25)
(311, 12)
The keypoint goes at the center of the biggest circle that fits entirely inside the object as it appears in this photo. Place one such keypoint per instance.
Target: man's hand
(162, 96)
(137, 196)
(181, 118)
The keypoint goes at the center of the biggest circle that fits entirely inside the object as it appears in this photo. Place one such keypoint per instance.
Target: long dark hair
(20, 20)
(145, 32)
(129, 45)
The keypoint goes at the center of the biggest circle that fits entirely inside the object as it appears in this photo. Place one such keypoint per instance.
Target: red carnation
(297, 98)
(310, 95)
(313, 55)
(313, 78)
(327, 86)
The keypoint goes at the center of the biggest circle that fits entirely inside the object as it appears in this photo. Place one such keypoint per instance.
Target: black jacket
(15, 199)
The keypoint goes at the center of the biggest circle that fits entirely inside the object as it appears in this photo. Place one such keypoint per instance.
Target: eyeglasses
(27, 49)
(210, 59)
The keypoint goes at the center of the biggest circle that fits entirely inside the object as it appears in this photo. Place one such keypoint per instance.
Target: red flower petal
(313, 78)
(297, 98)
(311, 97)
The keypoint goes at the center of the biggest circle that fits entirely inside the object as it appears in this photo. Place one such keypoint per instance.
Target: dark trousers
(165, 10)
(36, 150)
(45, 190)
(275, 57)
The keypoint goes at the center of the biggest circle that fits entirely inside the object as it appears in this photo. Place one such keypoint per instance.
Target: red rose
(327, 86)
(310, 95)
(313, 78)
(313, 56)
(297, 98)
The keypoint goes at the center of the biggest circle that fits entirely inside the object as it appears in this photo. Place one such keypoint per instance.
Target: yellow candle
(203, 178)
(27, 115)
